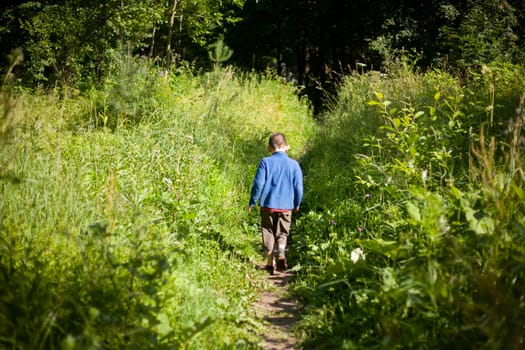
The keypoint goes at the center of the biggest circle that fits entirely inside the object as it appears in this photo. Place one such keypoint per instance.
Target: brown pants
(275, 228)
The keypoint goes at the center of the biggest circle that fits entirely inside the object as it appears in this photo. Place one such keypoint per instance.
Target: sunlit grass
(145, 210)
(400, 169)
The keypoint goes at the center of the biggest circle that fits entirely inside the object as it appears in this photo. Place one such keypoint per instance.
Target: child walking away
(278, 187)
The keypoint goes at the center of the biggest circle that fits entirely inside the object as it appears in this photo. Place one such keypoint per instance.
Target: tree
(488, 33)
(67, 41)
(193, 25)
(71, 41)
(219, 52)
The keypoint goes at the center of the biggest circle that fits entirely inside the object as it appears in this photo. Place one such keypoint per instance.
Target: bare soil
(279, 312)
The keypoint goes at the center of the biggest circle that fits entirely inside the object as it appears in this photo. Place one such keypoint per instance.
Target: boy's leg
(284, 221)
(268, 238)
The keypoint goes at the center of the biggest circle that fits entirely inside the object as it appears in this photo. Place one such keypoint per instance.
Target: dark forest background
(311, 42)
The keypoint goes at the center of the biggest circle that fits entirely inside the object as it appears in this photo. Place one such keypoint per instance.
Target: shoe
(281, 260)
(282, 265)
(270, 269)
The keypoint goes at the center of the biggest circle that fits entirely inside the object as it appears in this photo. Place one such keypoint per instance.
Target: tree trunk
(151, 50)
(170, 32)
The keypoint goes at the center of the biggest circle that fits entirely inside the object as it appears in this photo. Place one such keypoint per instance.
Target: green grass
(124, 224)
(129, 225)
(409, 168)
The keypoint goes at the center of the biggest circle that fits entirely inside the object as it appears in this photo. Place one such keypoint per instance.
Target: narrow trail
(279, 312)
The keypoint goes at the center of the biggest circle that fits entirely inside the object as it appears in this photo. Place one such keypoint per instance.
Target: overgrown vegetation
(127, 227)
(414, 233)
(123, 221)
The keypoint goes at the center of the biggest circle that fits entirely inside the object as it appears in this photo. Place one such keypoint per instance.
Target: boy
(278, 186)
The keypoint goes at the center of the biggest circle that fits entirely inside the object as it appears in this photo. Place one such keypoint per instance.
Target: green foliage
(219, 52)
(488, 33)
(128, 94)
(68, 43)
(202, 19)
(71, 43)
(8, 120)
(138, 235)
(413, 241)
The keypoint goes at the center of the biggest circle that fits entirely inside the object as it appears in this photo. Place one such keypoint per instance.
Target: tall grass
(128, 228)
(421, 174)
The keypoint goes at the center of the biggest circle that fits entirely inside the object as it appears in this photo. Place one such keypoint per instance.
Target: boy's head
(277, 142)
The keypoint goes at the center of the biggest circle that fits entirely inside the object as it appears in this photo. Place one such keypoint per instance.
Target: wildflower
(368, 195)
(444, 227)
(357, 254)
(332, 222)
(424, 175)
(167, 181)
(360, 228)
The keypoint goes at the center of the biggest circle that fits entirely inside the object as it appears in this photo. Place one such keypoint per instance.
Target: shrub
(423, 194)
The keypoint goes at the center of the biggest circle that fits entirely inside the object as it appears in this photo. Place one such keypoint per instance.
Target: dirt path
(279, 313)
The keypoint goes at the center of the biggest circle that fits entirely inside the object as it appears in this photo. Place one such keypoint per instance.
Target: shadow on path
(279, 312)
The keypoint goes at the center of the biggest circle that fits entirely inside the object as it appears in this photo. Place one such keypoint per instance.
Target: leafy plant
(219, 52)
(427, 201)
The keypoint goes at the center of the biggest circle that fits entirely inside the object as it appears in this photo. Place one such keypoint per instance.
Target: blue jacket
(278, 183)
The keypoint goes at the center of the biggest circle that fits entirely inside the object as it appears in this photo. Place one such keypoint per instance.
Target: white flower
(357, 254)
(424, 175)
(444, 227)
(167, 181)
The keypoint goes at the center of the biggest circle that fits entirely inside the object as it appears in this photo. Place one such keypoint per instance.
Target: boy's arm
(257, 185)
(298, 188)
